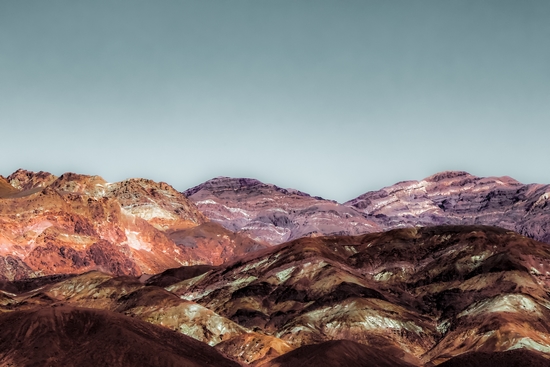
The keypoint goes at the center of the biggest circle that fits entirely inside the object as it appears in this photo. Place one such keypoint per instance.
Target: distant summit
(273, 215)
(457, 197)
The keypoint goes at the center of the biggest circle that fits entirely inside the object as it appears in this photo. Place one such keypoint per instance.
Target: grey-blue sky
(330, 97)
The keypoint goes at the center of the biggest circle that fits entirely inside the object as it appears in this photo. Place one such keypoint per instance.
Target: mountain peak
(231, 185)
(446, 175)
(25, 180)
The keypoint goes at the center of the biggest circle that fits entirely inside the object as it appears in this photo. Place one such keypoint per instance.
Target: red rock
(79, 223)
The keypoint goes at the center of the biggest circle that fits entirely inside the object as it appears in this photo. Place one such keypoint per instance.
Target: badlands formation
(452, 270)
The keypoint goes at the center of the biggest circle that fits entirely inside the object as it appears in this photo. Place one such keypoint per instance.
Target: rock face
(460, 198)
(78, 223)
(24, 180)
(274, 215)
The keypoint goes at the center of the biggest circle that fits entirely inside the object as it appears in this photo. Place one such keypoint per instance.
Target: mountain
(147, 302)
(411, 296)
(75, 223)
(421, 295)
(85, 262)
(273, 215)
(459, 198)
(67, 336)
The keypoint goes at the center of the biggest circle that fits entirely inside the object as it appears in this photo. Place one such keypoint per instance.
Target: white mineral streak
(480, 257)
(188, 282)
(39, 227)
(443, 326)
(263, 263)
(335, 319)
(383, 276)
(529, 343)
(150, 211)
(192, 296)
(237, 283)
(284, 275)
(134, 242)
(503, 303)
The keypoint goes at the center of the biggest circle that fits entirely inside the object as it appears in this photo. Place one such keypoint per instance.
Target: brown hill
(128, 296)
(432, 293)
(65, 336)
(512, 358)
(338, 353)
(420, 295)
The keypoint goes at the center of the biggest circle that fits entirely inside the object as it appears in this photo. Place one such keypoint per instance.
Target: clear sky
(334, 98)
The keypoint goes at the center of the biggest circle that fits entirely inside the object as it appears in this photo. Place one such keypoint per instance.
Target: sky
(334, 98)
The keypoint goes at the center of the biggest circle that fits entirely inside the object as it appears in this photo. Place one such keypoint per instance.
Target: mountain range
(271, 214)
(452, 270)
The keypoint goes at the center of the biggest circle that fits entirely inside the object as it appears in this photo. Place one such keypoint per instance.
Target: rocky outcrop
(24, 180)
(274, 215)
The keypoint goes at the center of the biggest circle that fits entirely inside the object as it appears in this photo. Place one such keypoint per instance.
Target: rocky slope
(74, 223)
(413, 296)
(459, 198)
(512, 358)
(419, 295)
(24, 180)
(66, 336)
(345, 353)
(6, 190)
(147, 302)
(274, 215)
